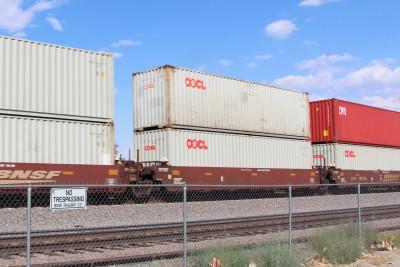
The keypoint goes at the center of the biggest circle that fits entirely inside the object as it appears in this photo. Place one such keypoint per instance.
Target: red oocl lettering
(148, 86)
(195, 83)
(196, 144)
(319, 156)
(147, 148)
(349, 154)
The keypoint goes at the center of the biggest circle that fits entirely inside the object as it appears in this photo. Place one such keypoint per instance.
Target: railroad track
(73, 241)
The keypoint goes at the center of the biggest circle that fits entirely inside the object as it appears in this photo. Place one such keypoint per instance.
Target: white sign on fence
(68, 198)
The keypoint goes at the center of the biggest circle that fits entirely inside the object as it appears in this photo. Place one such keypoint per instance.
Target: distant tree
(116, 149)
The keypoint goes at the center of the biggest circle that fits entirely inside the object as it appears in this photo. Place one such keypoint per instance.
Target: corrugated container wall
(45, 80)
(182, 98)
(210, 149)
(356, 157)
(35, 140)
(346, 122)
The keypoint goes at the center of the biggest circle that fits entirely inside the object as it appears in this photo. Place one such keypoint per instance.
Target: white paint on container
(211, 149)
(35, 140)
(356, 157)
(180, 98)
(45, 80)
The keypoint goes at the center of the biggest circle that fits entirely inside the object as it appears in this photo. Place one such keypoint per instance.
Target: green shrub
(272, 254)
(396, 240)
(275, 254)
(227, 254)
(370, 235)
(341, 244)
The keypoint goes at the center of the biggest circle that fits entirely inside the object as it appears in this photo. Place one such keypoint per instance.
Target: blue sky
(346, 49)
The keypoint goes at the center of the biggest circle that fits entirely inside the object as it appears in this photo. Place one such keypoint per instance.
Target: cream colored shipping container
(46, 80)
(180, 98)
(34, 140)
(356, 157)
(211, 149)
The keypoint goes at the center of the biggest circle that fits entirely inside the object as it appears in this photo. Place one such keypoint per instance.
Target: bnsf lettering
(349, 154)
(342, 111)
(147, 148)
(19, 174)
(319, 156)
(195, 83)
(196, 144)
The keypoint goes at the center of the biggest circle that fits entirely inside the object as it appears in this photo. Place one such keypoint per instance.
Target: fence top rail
(198, 185)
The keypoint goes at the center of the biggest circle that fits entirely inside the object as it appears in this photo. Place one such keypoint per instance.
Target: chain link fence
(86, 225)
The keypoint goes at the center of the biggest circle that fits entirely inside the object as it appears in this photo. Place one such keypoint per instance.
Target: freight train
(56, 127)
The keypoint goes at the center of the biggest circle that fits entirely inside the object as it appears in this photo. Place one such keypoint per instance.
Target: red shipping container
(340, 121)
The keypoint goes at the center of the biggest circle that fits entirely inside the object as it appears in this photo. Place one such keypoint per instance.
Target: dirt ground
(372, 258)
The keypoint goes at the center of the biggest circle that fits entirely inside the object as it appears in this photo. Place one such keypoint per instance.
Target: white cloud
(311, 2)
(378, 101)
(385, 62)
(262, 57)
(225, 62)
(316, 2)
(316, 97)
(55, 23)
(19, 34)
(14, 18)
(280, 29)
(252, 64)
(125, 43)
(376, 77)
(325, 63)
(116, 91)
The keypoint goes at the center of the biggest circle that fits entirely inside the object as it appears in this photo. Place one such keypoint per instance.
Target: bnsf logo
(196, 144)
(342, 111)
(195, 83)
(17, 174)
(349, 154)
(319, 156)
(147, 148)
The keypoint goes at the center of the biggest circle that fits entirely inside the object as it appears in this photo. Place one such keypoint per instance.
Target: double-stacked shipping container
(56, 104)
(205, 123)
(353, 136)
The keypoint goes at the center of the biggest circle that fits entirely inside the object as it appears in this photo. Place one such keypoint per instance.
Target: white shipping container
(34, 140)
(45, 80)
(181, 98)
(356, 157)
(211, 149)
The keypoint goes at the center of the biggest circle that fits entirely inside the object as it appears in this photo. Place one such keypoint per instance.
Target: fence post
(290, 218)
(359, 211)
(184, 228)
(28, 230)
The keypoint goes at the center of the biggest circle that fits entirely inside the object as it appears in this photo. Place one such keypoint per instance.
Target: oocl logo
(195, 83)
(349, 154)
(196, 144)
(147, 148)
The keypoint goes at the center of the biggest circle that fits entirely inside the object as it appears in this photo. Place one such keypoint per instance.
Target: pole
(184, 228)
(28, 230)
(290, 218)
(359, 211)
